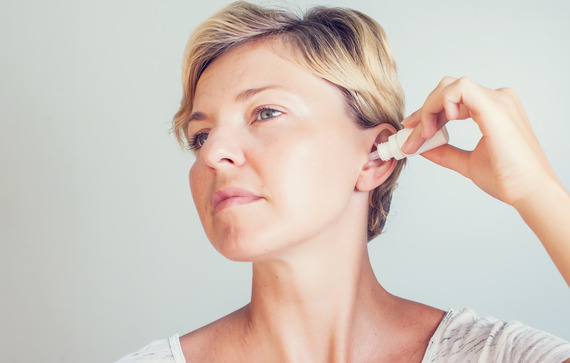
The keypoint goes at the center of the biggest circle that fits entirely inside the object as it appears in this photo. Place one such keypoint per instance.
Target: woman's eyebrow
(248, 93)
(197, 116)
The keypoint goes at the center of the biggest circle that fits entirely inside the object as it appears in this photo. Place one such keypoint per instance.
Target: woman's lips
(230, 197)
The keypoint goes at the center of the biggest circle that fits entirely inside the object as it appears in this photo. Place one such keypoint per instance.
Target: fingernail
(412, 144)
(405, 146)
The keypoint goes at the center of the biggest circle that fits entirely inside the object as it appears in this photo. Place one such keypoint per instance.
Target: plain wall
(101, 250)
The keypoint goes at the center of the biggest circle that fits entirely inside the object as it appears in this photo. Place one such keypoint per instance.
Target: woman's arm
(507, 163)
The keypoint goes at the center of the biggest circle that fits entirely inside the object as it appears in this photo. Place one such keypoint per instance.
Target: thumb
(450, 157)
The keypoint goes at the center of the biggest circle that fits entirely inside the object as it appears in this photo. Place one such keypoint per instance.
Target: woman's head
(342, 46)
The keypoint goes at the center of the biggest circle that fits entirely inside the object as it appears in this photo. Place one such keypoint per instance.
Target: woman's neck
(315, 302)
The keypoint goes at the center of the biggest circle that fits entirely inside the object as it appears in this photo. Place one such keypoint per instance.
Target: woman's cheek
(302, 173)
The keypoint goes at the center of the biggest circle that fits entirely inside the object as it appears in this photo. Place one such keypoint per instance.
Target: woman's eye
(267, 113)
(197, 141)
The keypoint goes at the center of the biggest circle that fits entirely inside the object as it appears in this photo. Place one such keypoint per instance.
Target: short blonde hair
(343, 46)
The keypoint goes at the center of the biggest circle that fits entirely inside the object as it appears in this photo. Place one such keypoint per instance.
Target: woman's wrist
(547, 197)
(547, 213)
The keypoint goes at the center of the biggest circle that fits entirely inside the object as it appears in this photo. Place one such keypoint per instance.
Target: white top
(462, 336)
(159, 351)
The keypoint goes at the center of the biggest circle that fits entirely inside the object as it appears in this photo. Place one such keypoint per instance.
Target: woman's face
(277, 155)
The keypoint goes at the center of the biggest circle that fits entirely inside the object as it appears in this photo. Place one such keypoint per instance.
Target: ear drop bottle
(393, 147)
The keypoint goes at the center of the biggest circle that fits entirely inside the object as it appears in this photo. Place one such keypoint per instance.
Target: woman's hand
(507, 163)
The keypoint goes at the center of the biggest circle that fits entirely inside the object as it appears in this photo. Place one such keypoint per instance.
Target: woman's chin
(243, 254)
(242, 249)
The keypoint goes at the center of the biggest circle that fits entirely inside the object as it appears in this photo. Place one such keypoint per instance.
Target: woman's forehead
(251, 60)
(251, 66)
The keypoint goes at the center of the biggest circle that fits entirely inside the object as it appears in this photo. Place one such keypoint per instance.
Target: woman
(282, 114)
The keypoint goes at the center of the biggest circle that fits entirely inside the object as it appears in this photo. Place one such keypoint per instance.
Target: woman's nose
(223, 148)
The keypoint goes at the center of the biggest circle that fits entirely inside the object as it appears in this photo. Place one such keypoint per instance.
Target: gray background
(101, 250)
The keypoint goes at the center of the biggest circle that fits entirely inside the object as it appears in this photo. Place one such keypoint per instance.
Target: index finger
(456, 100)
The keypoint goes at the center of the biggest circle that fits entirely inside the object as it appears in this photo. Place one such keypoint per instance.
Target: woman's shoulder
(159, 351)
(465, 336)
(196, 344)
(224, 334)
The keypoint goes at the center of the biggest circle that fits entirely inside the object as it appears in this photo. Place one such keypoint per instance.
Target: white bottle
(393, 147)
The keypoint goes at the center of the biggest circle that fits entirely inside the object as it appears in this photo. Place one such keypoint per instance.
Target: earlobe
(375, 172)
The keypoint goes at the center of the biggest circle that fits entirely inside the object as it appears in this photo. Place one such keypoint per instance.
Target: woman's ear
(375, 172)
